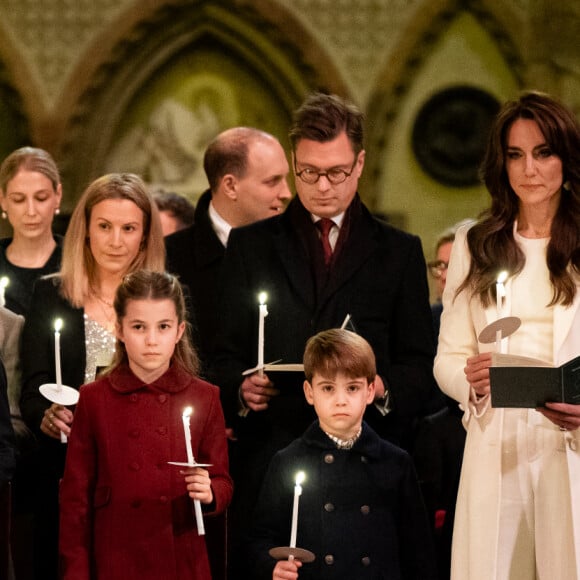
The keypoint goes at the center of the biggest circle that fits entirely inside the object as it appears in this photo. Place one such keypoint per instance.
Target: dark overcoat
(379, 278)
(360, 511)
(195, 255)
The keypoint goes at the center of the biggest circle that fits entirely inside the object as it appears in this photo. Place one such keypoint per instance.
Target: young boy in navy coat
(360, 511)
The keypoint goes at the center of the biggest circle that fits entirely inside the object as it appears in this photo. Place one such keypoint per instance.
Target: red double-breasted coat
(125, 512)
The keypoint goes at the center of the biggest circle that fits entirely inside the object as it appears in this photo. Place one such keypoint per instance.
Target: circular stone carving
(450, 134)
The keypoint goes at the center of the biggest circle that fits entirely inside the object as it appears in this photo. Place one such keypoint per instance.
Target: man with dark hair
(247, 170)
(175, 211)
(325, 258)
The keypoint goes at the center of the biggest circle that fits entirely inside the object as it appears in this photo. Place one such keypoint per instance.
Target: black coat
(195, 254)
(37, 349)
(379, 278)
(38, 367)
(360, 511)
(7, 443)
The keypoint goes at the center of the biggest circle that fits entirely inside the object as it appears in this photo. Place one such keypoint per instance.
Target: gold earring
(4, 215)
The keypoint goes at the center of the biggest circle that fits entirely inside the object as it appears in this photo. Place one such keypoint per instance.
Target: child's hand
(198, 484)
(286, 570)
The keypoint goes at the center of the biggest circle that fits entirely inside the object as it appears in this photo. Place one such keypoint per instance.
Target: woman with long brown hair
(518, 509)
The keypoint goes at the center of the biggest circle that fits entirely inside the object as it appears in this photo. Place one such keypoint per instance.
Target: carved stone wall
(73, 68)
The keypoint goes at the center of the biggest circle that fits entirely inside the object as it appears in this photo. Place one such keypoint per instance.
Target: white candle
(297, 492)
(3, 283)
(191, 461)
(500, 294)
(186, 414)
(57, 329)
(262, 297)
(345, 322)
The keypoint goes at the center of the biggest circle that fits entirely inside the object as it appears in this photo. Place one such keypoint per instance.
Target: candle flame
(58, 324)
(262, 297)
(187, 411)
(502, 277)
(300, 477)
(4, 282)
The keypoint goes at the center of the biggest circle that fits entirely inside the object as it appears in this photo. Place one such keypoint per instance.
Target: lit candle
(499, 296)
(186, 414)
(3, 283)
(262, 297)
(57, 329)
(191, 461)
(297, 491)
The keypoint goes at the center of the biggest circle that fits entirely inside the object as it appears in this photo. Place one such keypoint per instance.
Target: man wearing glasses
(325, 258)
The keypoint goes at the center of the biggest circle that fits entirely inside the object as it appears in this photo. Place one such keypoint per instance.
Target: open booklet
(519, 381)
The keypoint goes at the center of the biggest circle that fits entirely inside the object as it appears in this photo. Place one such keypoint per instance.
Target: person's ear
(370, 392)
(229, 186)
(308, 393)
(360, 162)
(180, 331)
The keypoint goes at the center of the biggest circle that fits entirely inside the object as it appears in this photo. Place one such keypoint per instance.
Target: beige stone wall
(79, 70)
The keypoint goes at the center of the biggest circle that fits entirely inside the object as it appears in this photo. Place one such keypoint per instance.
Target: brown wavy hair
(491, 242)
(336, 351)
(150, 285)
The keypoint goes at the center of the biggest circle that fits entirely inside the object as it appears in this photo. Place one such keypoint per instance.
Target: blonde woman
(115, 229)
(31, 194)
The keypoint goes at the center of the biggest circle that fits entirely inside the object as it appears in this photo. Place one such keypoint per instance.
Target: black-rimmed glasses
(335, 175)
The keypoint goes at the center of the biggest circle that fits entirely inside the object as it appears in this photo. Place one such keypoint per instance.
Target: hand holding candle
(191, 462)
(57, 392)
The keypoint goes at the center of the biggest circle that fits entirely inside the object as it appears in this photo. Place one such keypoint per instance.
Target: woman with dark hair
(518, 509)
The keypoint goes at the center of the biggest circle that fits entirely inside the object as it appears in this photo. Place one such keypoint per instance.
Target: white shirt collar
(219, 224)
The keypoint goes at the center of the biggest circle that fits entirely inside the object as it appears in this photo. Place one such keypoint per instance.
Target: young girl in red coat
(126, 513)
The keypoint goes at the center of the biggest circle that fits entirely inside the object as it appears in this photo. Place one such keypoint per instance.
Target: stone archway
(281, 70)
(430, 23)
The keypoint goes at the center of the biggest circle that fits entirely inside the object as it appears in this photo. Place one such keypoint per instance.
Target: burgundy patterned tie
(325, 225)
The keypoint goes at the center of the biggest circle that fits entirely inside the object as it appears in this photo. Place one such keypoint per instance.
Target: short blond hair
(78, 265)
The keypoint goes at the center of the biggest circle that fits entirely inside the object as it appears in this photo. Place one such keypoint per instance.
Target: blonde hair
(148, 285)
(78, 267)
(29, 159)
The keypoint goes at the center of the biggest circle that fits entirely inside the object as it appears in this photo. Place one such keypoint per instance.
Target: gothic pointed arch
(256, 60)
(426, 28)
